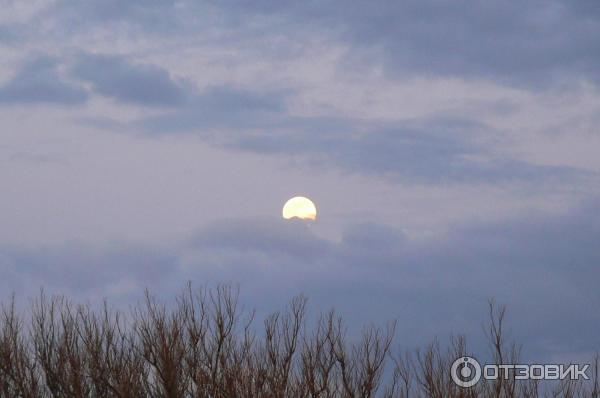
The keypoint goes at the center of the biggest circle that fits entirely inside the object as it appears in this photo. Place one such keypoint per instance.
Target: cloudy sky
(452, 149)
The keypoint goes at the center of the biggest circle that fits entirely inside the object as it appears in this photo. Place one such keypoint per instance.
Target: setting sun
(299, 207)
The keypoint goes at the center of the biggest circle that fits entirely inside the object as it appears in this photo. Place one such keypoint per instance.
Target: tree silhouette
(205, 346)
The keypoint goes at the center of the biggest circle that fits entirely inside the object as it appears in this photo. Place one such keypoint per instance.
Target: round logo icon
(465, 372)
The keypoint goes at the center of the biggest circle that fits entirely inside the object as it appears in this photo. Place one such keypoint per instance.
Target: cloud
(435, 150)
(526, 45)
(219, 107)
(39, 81)
(429, 150)
(544, 267)
(162, 17)
(83, 271)
(533, 45)
(272, 238)
(141, 84)
(9, 33)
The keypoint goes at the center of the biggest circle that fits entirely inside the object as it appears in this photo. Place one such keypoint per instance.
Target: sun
(300, 207)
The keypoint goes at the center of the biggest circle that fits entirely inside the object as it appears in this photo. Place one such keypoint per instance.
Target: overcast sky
(451, 147)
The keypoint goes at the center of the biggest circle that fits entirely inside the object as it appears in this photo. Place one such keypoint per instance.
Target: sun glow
(300, 207)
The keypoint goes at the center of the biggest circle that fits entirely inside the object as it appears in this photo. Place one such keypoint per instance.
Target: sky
(451, 148)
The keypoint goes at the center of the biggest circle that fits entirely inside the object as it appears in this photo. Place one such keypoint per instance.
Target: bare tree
(18, 370)
(206, 346)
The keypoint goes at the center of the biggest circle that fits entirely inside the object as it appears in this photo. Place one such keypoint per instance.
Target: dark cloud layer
(533, 44)
(148, 16)
(427, 150)
(448, 150)
(39, 81)
(430, 151)
(142, 84)
(544, 267)
(9, 33)
(435, 150)
(528, 44)
(216, 108)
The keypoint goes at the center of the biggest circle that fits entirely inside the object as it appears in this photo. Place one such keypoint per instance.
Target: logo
(465, 372)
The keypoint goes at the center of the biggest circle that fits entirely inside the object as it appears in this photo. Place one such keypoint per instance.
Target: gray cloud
(85, 272)
(162, 17)
(142, 84)
(533, 44)
(219, 107)
(435, 150)
(544, 267)
(39, 81)
(430, 150)
(145, 84)
(9, 33)
(272, 238)
(536, 44)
